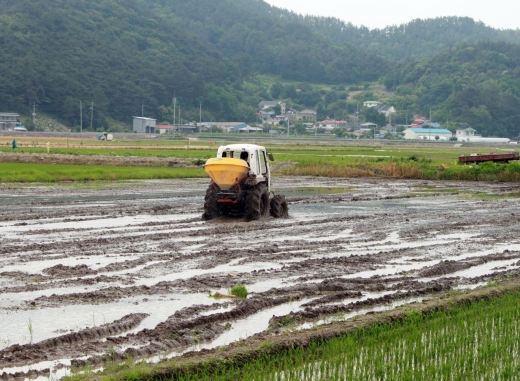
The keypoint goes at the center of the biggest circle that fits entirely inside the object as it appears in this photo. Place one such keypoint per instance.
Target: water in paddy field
(76, 259)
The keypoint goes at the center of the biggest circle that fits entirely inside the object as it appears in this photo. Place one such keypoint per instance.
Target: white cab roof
(240, 147)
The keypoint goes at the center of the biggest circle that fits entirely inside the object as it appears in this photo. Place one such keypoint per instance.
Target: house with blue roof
(427, 134)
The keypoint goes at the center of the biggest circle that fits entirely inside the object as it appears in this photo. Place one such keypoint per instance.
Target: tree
(373, 116)
(339, 132)
(300, 128)
(276, 89)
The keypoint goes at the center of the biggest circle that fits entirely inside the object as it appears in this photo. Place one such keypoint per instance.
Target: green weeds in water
(239, 291)
(31, 330)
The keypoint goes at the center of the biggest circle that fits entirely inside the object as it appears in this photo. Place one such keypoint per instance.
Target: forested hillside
(126, 56)
(414, 40)
(56, 53)
(474, 83)
(122, 54)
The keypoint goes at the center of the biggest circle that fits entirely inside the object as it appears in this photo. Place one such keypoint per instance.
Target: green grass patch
(341, 159)
(423, 168)
(51, 173)
(192, 153)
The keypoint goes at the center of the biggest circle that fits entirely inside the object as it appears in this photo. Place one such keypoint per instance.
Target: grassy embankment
(465, 336)
(50, 173)
(431, 163)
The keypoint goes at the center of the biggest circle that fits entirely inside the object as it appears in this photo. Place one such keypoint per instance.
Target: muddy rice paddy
(127, 269)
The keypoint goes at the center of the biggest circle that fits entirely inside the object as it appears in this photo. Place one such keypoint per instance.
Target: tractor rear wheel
(279, 207)
(211, 207)
(257, 203)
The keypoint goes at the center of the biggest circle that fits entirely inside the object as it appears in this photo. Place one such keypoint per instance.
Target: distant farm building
(8, 121)
(264, 105)
(371, 103)
(427, 134)
(331, 124)
(144, 125)
(386, 110)
(164, 128)
(465, 133)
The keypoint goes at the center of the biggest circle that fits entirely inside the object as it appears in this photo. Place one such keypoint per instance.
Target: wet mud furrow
(139, 256)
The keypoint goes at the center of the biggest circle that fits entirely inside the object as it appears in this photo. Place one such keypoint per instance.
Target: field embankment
(411, 168)
(459, 335)
(435, 162)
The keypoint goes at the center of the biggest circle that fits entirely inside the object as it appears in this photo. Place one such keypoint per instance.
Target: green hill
(122, 54)
(127, 56)
(410, 41)
(475, 83)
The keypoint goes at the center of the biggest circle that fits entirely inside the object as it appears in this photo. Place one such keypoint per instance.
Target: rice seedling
(31, 330)
(239, 291)
(472, 341)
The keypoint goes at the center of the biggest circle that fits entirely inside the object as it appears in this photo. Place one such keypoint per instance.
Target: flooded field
(90, 272)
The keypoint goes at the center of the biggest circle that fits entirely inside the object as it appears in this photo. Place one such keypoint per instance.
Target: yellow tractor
(241, 184)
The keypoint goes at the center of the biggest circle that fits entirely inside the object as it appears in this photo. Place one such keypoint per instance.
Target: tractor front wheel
(279, 207)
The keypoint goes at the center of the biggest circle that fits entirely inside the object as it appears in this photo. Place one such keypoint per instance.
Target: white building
(465, 133)
(469, 135)
(371, 103)
(144, 125)
(386, 110)
(480, 139)
(264, 105)
(427, 134)
(7, 121)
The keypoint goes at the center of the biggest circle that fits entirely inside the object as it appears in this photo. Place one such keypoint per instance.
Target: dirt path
(132, 161)
(88, 273)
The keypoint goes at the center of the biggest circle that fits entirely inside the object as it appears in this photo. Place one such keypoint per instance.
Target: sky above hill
(499, 14)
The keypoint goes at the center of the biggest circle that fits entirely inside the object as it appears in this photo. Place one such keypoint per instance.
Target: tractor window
(257, 160)
(238, 155)
(263, 166)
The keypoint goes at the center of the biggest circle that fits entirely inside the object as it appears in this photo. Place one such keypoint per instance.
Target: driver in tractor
(244, 156)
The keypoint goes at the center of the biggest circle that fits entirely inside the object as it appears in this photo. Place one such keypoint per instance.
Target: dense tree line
(475, 83)
(410, 41)
(56, 53)
(127, 56)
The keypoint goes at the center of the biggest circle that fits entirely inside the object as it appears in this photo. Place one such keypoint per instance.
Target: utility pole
(34, 111)
(80, 118)
(200, 114)
(91, 113)
(174, 103)
(357, 114)
(142, 118)
(430, 129)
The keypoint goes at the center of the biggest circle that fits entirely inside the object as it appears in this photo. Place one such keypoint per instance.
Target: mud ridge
(316, 313)
(55, 347)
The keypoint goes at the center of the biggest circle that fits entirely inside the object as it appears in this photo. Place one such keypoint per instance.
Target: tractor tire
(279, 207)
(257, 203)
(211, 207)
